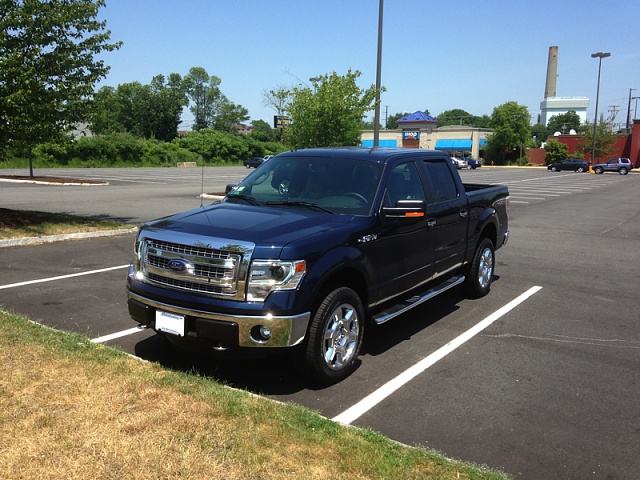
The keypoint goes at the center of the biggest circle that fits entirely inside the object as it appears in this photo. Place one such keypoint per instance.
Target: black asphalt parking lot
(548, 388)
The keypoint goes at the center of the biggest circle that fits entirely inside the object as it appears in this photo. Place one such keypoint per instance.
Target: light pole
(376, 117)
(599, 56)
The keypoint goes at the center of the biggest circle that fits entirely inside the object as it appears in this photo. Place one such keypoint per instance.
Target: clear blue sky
(436, 56)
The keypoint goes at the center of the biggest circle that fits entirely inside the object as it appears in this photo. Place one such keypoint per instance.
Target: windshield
(338, 185)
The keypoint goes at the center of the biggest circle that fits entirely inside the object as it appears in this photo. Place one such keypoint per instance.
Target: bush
(168, 155)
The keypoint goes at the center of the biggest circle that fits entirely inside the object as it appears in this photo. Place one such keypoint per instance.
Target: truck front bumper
(221, 331)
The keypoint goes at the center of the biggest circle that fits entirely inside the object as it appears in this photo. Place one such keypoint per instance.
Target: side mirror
(230, 187)
(408, 209)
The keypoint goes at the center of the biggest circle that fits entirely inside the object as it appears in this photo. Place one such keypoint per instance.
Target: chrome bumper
(286, 331)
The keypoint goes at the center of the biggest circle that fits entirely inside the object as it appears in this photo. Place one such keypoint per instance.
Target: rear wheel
(580, 169)
(554, 169)
(480, 274)
(335, 336)
(623, 171)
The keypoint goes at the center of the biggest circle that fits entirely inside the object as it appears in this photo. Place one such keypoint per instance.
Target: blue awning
(381, 143)
(457, 144)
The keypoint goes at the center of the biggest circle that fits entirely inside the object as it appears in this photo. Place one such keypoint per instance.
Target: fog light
(265, 332)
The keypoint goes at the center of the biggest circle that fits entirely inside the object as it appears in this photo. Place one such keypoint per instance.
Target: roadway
(539, 378)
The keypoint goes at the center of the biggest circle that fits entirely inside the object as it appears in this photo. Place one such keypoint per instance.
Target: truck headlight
(265, 276)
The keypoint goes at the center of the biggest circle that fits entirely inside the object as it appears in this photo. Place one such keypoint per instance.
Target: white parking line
(62, 277)
(387, 389)
(123, 333)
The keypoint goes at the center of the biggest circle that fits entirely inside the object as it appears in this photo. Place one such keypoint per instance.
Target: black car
(573, 165)
(253, 162)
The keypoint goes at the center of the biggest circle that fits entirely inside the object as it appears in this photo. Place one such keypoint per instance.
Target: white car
(459, 163)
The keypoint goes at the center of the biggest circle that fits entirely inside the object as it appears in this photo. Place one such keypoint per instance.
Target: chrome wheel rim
(485, 268)
(341, 337)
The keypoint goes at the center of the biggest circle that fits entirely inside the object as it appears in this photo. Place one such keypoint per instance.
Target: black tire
(335, 336)
(623, 171)
(480, 272)
(598, 170)
(554, 169)
(580, 169)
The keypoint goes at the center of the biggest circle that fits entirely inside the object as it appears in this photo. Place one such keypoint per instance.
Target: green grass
(24, 223)
(73, 409)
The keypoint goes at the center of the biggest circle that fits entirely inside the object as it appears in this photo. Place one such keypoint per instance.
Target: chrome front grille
(216, 272)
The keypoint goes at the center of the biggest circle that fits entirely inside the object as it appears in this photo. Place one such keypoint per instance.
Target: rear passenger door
(447, 214)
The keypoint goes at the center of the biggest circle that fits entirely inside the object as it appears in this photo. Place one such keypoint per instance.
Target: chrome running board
(416, 300)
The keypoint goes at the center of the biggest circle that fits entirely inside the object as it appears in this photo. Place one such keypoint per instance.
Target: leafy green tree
(230, 116)
(511, 132)
(331, 113)
(206, 97)
(392, 120)
(563, 123)
(48, 68)
(263, 132)
(555, 151)
(538, 134)
(605, 142)
(149, 111)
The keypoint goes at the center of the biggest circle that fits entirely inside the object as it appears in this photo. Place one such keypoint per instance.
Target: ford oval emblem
(178, 265)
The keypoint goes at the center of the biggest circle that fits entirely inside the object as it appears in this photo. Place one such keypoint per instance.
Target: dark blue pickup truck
(311, 248)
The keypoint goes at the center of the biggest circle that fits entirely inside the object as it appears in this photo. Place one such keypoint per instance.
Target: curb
(17, 242)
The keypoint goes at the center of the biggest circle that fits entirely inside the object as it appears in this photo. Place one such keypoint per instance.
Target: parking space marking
(61, 277)
(371, 400)
(123, 333)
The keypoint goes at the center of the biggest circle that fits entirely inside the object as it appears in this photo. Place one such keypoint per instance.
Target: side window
(403, 184)
(441, 184)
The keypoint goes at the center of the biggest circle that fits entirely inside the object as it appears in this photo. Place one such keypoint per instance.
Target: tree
(278, 99)
(149, 111)
(48, 68)
(263, 132)
(555, 151)
(392, 120)
(230, 116)
(331, 113)
(204, 92)
(563, 123)
(605, 142)
(511, 130)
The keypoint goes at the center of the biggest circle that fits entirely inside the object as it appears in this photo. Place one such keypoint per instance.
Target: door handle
(464, 213)
(431, 222)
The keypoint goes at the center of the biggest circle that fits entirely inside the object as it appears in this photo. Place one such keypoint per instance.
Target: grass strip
(26, 223)
(73, 409)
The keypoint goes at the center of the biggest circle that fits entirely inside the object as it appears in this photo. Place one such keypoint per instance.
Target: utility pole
(629, 110)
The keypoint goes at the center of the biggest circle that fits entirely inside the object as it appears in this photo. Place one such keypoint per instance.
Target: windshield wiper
(246, 198)
(310, 205)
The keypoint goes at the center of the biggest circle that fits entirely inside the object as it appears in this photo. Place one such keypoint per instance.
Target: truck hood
(272, 227)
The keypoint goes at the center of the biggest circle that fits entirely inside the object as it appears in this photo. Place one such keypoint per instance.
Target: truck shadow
(277, 374)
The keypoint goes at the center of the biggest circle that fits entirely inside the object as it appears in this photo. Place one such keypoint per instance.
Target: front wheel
(480, 273)
(580, 169)
(335, 336)
(554, 169)
(598, 170)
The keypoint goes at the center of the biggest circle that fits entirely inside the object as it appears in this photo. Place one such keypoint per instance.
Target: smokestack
(552, 73)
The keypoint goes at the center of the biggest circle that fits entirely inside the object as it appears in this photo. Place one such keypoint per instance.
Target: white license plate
(170, 323)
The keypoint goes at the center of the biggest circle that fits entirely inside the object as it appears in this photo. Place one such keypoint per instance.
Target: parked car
(459, 163)
(472, 163)
(573, 164)
(620, 165)
(253, 162)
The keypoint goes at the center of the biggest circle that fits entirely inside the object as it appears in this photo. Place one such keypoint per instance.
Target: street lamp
(376, 116)
(599, 56)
